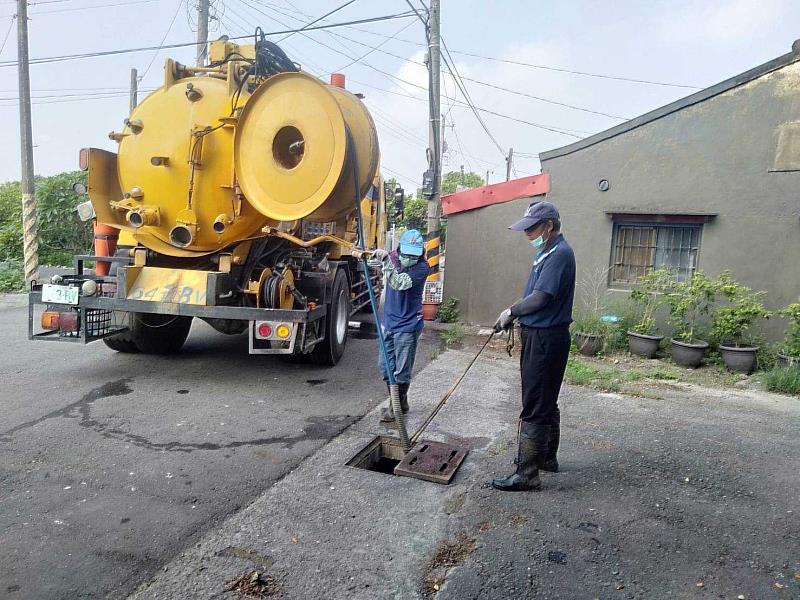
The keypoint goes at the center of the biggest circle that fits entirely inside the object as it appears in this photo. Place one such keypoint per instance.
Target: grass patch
(611, 378)
(454, 335)
(11, 280)
(784, 380)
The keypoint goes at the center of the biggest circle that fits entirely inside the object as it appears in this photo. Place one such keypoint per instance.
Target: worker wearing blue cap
(406, 270)
(544, 314)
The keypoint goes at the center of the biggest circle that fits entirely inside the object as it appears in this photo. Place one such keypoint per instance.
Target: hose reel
(276, 290)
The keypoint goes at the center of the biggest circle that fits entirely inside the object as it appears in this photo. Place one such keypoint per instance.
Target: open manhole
(430, 461)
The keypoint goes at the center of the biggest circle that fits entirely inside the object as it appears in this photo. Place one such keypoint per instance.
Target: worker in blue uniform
(544, 314)
(406, 270)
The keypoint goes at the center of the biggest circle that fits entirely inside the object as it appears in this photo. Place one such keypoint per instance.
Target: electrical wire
(376, 48)
(8, 33)
(66, 57)
(77, 8)
(163, 39)
(318, 19)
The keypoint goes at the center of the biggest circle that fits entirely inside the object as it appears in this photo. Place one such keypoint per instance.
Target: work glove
(379, 254)
(504, 321)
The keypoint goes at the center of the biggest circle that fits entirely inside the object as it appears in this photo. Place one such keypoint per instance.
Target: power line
(371, 50)
(583, 73)
(76, 8)
(564, 104)
(66, 57)
(8, 33)
(328, 14)
(163, 39)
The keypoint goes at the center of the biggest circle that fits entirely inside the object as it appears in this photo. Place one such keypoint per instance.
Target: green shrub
(784, 380)
(448, 311)
(791, 342)
(689, 301)
(731, 323)
(61, 234)
(648, 296)
(11, 279)
(454, 335)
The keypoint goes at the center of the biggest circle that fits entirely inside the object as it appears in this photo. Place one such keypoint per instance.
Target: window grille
(640, 248)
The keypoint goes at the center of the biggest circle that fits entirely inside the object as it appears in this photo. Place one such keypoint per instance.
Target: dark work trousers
(542, 364)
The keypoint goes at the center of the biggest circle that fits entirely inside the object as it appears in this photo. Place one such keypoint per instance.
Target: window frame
(657, 222)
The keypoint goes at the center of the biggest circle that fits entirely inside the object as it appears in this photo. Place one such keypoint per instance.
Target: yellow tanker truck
(245, 193)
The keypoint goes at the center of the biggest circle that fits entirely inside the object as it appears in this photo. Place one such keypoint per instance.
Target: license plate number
(59, 294)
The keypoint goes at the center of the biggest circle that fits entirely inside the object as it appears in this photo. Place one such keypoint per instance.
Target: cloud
(719, 22)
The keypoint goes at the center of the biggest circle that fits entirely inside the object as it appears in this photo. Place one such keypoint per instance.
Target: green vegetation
(611, 378)
(731, 322)
(61, 233)
(454, 335)
(448, 311)
(647, 297)
(784, 380)
(791, 342)
(689, 301)
(11, 277)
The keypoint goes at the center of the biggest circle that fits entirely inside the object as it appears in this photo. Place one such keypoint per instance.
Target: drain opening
(381, 455)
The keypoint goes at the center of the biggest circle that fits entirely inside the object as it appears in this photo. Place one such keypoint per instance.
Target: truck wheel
(123, 342)
(159, 334)
(330, 350)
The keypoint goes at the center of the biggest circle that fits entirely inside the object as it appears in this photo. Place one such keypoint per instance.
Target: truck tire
(123, 342)
(159, 334)
(330, 350)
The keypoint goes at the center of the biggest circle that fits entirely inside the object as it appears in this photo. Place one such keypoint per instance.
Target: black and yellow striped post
(432, 243)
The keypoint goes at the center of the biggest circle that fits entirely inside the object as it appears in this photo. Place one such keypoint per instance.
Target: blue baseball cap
(412, 243)
(535, 213)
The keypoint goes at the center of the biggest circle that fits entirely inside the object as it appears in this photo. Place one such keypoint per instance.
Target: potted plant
(648, 296)
(590, 332)
(731, 323)
(688, 302)
(789, 352)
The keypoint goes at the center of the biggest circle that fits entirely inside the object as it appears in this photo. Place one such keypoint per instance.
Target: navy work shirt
(402, 311)
(553, 272)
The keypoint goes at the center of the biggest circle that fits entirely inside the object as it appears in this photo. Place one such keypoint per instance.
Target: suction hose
(394, 390)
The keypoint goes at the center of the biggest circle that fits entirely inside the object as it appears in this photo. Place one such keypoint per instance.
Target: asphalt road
(111, 464)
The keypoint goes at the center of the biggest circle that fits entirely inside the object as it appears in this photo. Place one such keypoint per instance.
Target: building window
(638, 248)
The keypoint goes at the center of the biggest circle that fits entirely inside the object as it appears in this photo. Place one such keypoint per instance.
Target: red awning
(535, 185)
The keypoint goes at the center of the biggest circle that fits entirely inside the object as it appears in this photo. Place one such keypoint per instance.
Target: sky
(686, 44)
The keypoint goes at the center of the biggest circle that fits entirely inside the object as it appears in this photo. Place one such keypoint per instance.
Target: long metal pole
(134, 89)
(202, 32)
(30, 241)
(509, 163)
(435, 140)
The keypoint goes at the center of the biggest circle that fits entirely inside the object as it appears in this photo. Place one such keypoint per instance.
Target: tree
(452, 179)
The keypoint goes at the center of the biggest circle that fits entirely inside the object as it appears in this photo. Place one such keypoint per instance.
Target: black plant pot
(739, 360)
(688, 354)
(643, 345)
(788, 361)
(588, 344)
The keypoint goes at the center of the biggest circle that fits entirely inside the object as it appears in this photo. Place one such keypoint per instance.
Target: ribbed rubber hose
(394, 390)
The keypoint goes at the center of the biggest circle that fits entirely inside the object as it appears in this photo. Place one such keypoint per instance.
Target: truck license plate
(59, 294)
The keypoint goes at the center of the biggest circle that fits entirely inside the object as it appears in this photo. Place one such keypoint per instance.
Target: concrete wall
(486, 264)
(714, 157)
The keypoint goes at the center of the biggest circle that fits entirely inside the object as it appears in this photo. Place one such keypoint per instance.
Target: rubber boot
(387, 413)
(526, 477)
(551, 462)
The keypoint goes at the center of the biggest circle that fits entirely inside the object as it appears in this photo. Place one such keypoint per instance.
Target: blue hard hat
(412, 243)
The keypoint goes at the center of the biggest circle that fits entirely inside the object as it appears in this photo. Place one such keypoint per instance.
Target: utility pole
(434, 139)
(134, 88)
(202, 32)
(509, 163)
(487, 176)
(30, 241)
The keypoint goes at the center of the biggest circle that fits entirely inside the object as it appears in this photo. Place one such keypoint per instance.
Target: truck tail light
(51, 320)
(68, 321)
(283, 331)
(83, 159)
(264, 330)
